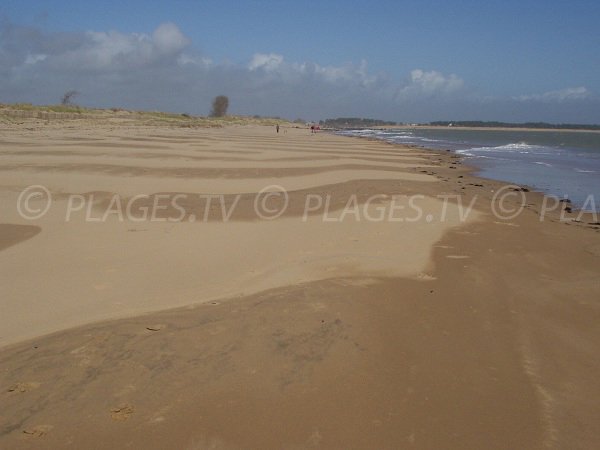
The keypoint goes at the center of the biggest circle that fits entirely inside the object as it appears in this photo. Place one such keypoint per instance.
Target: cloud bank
(164, 71)
(562, 95)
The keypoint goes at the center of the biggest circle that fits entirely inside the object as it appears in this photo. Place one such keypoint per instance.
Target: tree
(219, 106)
(67, 97)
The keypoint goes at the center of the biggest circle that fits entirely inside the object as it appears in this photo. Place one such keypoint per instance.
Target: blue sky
(396, 60)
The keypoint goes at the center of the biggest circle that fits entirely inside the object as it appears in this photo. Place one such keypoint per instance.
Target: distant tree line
(354, 122)
(539, 125)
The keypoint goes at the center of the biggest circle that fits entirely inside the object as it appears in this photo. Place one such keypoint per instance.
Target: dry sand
(306, 331)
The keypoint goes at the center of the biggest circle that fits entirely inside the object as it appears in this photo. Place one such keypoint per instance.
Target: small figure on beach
(312, 128)
(277, 128)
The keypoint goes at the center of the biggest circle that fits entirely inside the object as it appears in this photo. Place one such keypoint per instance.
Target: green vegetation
(20, 112)
(354, 122)
(540, 125)
(52, 108)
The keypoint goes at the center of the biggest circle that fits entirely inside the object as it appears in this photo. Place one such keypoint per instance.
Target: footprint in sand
(122, 413)
(37, 431)
(24, 387)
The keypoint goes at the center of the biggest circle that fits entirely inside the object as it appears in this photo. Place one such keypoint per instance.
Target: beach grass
(9, 113)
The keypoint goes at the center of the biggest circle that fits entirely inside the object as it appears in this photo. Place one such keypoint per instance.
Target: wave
(415, 139)
(519, 146)
(367, 132)
(495, 158)
(404, 137)
(361, 131)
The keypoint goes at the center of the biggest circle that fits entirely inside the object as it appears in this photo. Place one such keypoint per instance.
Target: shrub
(68, 97)
(219, 106)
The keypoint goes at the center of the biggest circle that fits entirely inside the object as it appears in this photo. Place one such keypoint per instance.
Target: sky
(404, 61)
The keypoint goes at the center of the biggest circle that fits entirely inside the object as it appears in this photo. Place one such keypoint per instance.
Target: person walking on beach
(277, 128)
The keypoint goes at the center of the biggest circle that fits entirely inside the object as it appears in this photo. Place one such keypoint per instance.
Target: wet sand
(294, 332)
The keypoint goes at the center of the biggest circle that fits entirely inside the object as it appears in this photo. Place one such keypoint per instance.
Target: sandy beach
(238, 288)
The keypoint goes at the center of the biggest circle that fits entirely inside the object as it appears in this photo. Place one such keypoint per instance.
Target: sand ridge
(122, 267)
(292, 333)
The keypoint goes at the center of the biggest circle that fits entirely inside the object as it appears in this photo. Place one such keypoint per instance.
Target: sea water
(565, 164)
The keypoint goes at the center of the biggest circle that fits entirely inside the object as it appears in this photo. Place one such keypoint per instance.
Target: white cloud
(268, 62)
(194, 60)
(32, 59)
(567, 94)
(113, 50)
(430, 84)
(275, 65)
(356, 74)
(168, 39)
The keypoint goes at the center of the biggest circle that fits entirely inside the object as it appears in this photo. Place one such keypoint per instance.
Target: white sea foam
(519, 146)
(365, 131)
(430, 140)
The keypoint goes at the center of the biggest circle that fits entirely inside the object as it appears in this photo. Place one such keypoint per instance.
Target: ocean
(559, 163)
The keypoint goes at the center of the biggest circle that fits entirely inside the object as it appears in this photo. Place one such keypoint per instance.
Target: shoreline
(439, 127)
(576, 208)
(476, 351)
